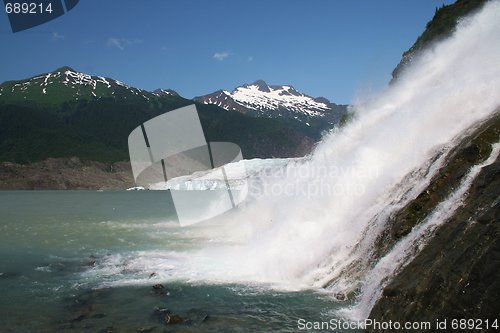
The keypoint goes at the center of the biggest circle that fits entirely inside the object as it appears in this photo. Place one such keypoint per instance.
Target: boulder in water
(341, 297)
(159, 313)
(158, 286)
(173, 319)
(159, 289)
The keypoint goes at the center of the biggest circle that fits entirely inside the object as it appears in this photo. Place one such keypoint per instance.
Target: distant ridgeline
(66, 113)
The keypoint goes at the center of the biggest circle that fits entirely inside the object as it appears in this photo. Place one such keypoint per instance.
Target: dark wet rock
(159, 313)
(390, 292)
(90, 263)
(197, 315)
(173, 319)
(152, 275)
(158, 286)
(341, 297)
(87, 304)
(79, 318)
(159, 289)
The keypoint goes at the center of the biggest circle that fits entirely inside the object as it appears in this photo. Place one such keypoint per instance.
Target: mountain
(259, 99)
(67, 85)
(66, 113)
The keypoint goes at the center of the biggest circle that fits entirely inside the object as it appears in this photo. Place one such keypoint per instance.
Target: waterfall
(313, 222)
(308, 219)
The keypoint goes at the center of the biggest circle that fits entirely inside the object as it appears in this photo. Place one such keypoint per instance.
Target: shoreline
(66, 174)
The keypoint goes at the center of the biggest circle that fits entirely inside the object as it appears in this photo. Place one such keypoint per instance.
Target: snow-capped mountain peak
(72, 78)
(163, 92)
(259, 84)
(67, 84)
(274, 101)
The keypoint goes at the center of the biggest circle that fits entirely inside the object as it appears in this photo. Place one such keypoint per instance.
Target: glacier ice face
(236, 174)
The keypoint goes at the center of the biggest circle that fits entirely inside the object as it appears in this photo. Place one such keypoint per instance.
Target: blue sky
(331, 48)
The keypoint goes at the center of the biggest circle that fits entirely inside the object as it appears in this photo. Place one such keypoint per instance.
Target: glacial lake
(87, 261)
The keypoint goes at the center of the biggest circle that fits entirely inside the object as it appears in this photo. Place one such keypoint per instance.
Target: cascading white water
(447, 90)
(409, 246)
(319, 216)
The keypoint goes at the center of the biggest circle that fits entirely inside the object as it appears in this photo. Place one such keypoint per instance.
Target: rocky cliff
(457, 273)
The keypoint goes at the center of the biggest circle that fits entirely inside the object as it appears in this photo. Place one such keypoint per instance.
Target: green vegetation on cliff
(441, 26)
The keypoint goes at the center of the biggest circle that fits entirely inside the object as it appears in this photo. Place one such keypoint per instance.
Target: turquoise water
(64, 267)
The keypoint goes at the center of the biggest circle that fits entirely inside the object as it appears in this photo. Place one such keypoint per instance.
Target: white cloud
(116, 42)
(121, 43)
(56, 36)
(220, 56)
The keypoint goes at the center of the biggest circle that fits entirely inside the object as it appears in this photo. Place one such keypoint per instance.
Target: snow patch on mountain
(275, 101)
(99, 86)
(276, 97)
(163, 92)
